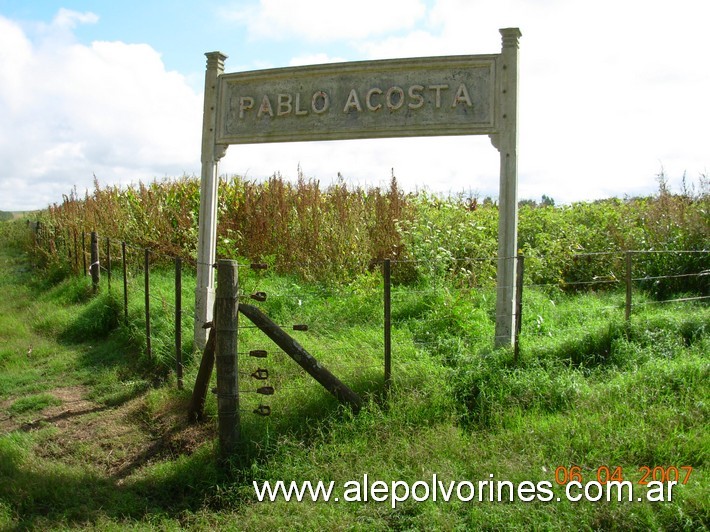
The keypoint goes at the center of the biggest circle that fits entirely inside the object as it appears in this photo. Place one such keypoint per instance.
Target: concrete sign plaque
(374, 99)
(456, 95)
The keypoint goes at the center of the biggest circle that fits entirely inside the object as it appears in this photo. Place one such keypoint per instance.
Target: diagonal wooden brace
(304, 359)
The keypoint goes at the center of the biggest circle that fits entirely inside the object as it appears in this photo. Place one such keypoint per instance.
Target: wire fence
(378, 328)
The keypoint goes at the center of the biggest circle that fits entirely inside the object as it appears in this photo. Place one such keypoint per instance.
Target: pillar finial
(510, 37)
(215, 60)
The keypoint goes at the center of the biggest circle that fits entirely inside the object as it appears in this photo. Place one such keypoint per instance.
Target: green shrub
(336, 233)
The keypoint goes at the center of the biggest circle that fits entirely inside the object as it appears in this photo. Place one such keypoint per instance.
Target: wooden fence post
(178, 321)
(38, 234)
(76, 254)
(95, 266)
(125, 281)
(386, 269)
(628, 286)
(196, 411)
(518, 305)
(83, 249)
(108, 262)
(67, 245)
(226, 319)
(146, 270)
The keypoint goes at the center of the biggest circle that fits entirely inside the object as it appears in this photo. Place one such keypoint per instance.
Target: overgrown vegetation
(338, 232)
(588, 389)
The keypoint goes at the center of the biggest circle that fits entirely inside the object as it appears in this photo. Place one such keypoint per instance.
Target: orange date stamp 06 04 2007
(605, 474)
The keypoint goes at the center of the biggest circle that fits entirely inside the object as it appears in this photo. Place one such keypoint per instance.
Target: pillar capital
(510, 37)
(215, 61)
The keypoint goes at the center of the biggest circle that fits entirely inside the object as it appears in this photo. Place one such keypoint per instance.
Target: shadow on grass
(598, 348)
(546, 379)
(112, 358)
(591, 349)
(36, 491)
(69, 414)
(57, 495)
(306, 419)
(95, 321)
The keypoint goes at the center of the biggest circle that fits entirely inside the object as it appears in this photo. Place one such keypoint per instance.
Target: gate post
(225, 323)
(207, 225)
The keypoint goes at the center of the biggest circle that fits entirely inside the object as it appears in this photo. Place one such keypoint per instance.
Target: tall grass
(586, 390)
(337, 232)
(299, 227)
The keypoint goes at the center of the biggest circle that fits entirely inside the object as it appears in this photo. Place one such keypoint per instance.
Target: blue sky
(612, 92)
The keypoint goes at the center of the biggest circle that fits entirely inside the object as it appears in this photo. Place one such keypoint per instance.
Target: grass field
(93, 435)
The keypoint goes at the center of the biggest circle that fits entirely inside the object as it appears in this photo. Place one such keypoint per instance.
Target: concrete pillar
(507, 143)
(207, 230)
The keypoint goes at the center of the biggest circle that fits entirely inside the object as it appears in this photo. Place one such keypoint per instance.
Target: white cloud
(419, 43)
(15, 55)
(68, 19)
(316, 20)
(69, 111)
(609, 91)
(314, 59)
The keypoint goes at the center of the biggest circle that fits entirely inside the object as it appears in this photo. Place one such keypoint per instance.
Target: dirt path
(115, 440)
